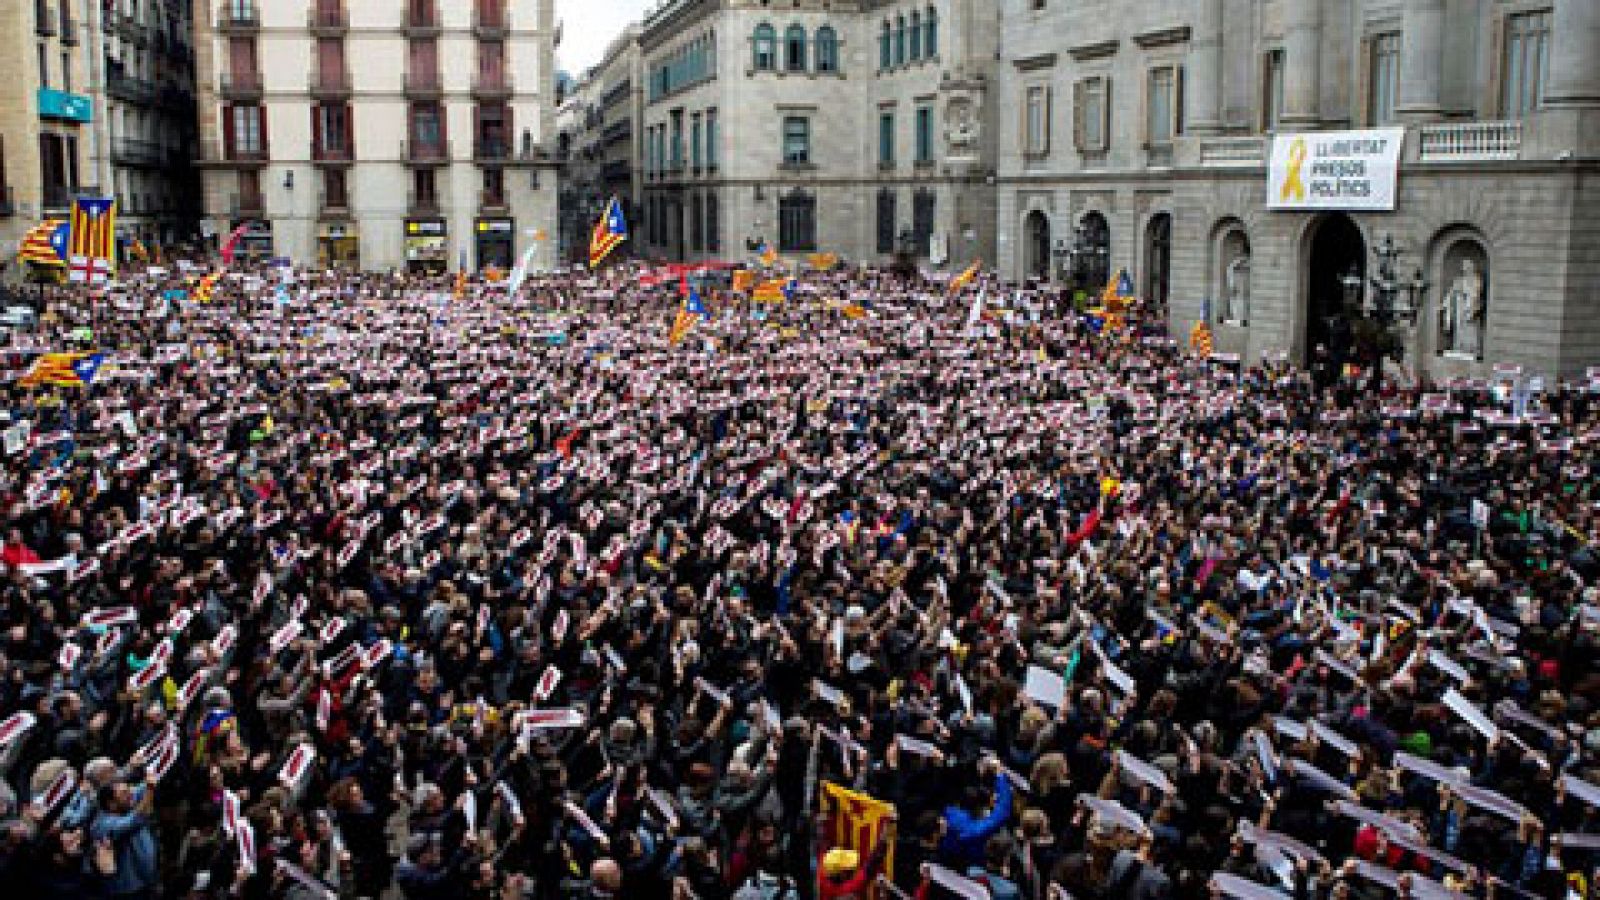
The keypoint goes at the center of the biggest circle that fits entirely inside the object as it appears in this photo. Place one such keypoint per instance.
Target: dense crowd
(361, 586)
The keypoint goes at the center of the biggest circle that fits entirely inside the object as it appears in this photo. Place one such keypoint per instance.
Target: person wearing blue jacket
(967, 827)
(124, 819)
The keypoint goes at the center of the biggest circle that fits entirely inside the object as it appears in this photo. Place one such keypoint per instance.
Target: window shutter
(1049, 105)
(229, 142)
(317, 143)
(1365, 113)
(349, 115)
(1078, 90)
(1105, 116)
(1494, 86)
(1177, 101)
(1144, 107)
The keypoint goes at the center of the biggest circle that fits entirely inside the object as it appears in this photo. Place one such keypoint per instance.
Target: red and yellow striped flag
(1200, 339)
(91, 257)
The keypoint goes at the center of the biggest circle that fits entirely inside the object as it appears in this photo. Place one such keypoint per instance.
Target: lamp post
(1388, 309)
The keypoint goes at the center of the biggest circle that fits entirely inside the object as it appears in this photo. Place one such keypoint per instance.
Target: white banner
(1346, 170)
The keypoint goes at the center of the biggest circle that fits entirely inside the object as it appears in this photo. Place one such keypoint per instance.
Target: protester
(346, 585)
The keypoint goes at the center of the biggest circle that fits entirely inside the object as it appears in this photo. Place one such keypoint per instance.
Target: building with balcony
(1244, 159)
(598, 144)
(380, 133)
(48, 144)
(149, 121)
(857, 127)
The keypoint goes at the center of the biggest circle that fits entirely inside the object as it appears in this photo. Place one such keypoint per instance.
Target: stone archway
(1336, 250)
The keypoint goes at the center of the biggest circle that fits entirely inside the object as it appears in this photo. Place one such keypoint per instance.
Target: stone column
(1204, 84)
(1302, 63)
(1421, 61)
(1574, 55)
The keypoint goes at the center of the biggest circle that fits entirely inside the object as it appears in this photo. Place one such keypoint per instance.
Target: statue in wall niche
(962, 128)
(1237, 283)
(1461, 316)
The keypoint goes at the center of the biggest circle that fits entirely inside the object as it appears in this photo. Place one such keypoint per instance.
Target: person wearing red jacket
(15, 553)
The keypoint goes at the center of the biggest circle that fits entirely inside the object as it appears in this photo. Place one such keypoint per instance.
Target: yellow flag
(855, 821)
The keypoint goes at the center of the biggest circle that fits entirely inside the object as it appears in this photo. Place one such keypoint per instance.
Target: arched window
(900, 40)
(766, 48)
(930, 37)
(916, 36)
(827, 50)
(794, 49)
(885, 47)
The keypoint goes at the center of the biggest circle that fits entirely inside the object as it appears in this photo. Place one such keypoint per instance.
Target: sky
(588, 26)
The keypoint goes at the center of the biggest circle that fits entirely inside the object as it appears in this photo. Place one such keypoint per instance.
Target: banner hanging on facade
(1335, 170)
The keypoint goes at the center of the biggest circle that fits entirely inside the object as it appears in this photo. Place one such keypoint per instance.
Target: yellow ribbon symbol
(1292, 185)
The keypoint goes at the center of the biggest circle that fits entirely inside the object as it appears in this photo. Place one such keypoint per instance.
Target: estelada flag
(45, 244)
(960, 282)
(854, 821)
(63, 370)
(609, 233)
(1118, 294)
(777, 290)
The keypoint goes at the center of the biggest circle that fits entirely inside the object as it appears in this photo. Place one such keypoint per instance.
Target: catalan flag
(208, 285)
(1200, 340)
(769, 256)
(775, 290)
(743, 280)
(91, 254)
(609, 233)
(63, 370)
(45, 244)
(1118, 294)
(689, 315)
(137, 250)
(822, 261)
(960, 282)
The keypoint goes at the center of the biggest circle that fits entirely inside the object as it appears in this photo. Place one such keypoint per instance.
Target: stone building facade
(48, 141)
(103, 104)
(1139, 136)
(860, 128)
(598, 144)
(380, 133)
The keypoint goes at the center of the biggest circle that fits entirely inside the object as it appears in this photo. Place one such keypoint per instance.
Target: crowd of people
(373, 586)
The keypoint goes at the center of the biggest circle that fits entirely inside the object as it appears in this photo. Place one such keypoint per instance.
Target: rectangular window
(1272, 91)
(66, 71)
(491, 64)
(1093, 119)
(426, 130)
(44, 66)
(797, 223)
(247, 136)
(333, 189)
(1527, 44)
(331, 129)
(886, 139)
(886, 221)
(796, 141)
(425, 192)
(1036, 121)
(713, 225)
(1161, 107)
(1385, 78)
(924, 135)
(923, 207)
(677, 140)
(694, 141)
(711, 139)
